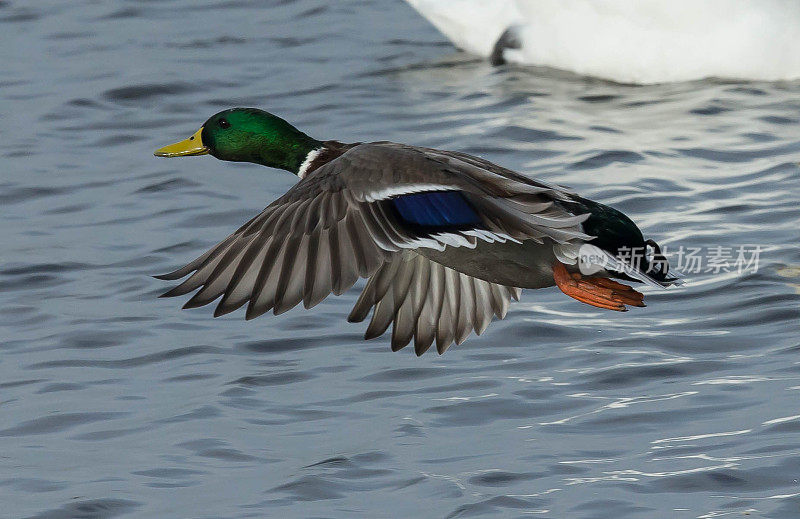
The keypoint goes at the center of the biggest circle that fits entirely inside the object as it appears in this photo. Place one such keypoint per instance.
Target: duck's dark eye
(224, 124)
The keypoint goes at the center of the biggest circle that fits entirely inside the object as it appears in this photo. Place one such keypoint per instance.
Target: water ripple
(112, 396)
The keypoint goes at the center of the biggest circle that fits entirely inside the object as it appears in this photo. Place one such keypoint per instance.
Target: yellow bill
(191, 146)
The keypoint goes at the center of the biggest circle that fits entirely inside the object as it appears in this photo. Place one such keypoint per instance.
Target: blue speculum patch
(436, 209)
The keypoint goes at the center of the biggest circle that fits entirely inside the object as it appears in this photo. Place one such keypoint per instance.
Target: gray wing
(426, 301)
(337, 225)
(305, 245)
(454, 157)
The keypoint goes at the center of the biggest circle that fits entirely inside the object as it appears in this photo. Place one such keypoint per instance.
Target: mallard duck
(445, 239)
(629, 41)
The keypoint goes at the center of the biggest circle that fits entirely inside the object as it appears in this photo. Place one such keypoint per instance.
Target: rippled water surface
(116, 403)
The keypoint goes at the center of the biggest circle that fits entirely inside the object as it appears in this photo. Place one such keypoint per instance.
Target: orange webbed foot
(596, 291)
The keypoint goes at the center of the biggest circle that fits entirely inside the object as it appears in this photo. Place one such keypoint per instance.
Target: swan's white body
(632, 41)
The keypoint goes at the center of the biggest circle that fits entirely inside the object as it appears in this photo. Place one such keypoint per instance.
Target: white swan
(630, 41)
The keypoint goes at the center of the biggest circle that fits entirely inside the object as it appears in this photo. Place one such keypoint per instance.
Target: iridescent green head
(247, 135)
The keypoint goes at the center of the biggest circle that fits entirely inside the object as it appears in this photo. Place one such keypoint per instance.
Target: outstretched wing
(426, 301)
(345, 219)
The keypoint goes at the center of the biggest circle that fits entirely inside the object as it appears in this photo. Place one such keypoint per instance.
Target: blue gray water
(116, 403)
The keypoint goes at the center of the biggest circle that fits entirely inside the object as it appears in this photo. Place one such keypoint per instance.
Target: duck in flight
(445, 239)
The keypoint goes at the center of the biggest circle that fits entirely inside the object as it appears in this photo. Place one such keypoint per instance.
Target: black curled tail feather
(508, 40)
(658, 265)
